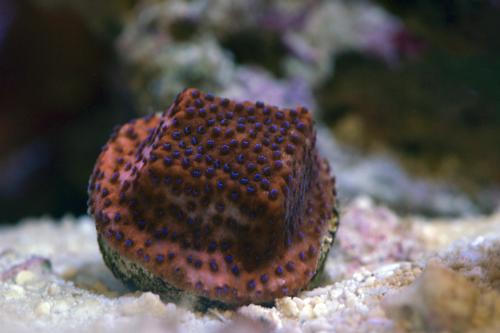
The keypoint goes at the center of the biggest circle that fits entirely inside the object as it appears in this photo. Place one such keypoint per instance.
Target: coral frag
(215, 199)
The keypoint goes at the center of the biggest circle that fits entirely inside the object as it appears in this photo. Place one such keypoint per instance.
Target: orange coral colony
(221, 200)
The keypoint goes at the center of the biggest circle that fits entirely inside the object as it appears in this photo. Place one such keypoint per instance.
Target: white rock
(288, 307)
(60, 306)
(53, 289)
(43, 309)
(306, 312)
(24, 277)
(14, 292)
(320, 310)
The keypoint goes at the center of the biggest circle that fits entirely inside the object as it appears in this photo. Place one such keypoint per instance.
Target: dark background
(63, 88)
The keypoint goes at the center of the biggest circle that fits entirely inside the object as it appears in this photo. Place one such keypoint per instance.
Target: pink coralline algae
(225, 202)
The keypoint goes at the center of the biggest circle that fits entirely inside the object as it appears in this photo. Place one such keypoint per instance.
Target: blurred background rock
(406, 93)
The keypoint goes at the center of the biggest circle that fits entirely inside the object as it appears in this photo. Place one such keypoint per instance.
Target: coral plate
(221, 202)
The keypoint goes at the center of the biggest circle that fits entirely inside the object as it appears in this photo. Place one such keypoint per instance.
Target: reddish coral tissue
(226, 200)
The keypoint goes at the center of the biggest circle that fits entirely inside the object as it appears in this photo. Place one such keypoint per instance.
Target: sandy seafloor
(386, 273)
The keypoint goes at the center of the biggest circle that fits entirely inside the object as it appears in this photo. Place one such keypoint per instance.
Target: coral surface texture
(223, 201)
